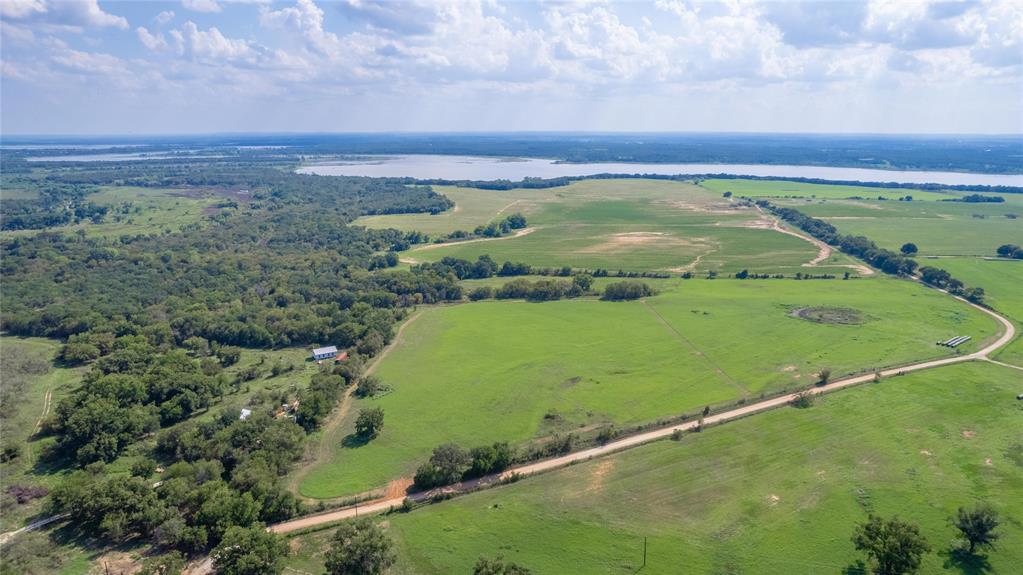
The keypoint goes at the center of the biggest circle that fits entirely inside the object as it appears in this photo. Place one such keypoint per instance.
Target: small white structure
(245, 414)
(325, 352)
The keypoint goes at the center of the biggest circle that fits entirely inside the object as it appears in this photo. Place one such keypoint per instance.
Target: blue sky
(83, 66)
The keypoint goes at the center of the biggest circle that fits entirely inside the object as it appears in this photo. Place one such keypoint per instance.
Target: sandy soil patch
(773, 500)
(788, 368)
(969, 433)
(925, 452)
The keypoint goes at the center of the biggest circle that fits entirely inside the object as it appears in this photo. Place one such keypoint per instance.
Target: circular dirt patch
(839, 315)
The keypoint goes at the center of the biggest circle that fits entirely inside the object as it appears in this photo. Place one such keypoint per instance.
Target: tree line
(886, 260)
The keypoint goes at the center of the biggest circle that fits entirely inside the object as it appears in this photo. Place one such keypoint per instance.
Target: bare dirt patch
(625, 241)
(773, 500)
(116, 562)
(925, 452)
(717, 208)
(398, 487)
(600, 471)
(969, 433)
(833, 315)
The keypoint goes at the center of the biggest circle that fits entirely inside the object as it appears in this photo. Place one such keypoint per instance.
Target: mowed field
(516, 371)
(633, 225)
(777, 493)
(937, 228)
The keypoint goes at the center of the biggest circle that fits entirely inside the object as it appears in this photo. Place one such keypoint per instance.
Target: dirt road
(642, 438)
(329, 436)
(823, 249)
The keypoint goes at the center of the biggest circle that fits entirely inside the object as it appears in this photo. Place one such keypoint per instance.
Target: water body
(427, 167)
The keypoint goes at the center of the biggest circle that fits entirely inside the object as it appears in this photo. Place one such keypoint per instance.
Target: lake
(426, 167)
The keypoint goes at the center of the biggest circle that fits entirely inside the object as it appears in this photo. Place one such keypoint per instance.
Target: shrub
(627, 290)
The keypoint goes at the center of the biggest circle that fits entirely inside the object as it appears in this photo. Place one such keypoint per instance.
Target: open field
(472, 208)
(937, 228)
(514, 371)
(32, 386)
(785, 189)
(1003, 283)
(634, 225)
(137, 210)
(777, 493)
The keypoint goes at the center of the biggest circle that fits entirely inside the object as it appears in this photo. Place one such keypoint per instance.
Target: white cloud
(211, 43)
(75, 15)
(163, 17)
(478, 49)
(201, 5)
(18, 9)
(150, 40)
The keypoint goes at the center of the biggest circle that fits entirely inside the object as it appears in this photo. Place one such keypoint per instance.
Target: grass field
(28, 373)
(785, 189)
(473, 207)
(1003, 284)
(137, 210)
(774, 493)
(514, 371)
(937, 228)
(634, 225)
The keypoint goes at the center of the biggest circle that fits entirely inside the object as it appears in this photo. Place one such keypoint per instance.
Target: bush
(368, 386)
(627, 290)
(803, 400)
(480, 293)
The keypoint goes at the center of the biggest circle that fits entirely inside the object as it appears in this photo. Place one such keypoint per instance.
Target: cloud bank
(875, 66)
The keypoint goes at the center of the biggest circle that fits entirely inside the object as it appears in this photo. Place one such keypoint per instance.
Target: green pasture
(778, 492)
(516, 371)
(139, 210)
(1002, 281)
(27, 372)
(937, 228)
(472, 208)
(786, 189)
(633, 225)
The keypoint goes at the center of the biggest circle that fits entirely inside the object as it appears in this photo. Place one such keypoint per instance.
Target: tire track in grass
(336, 418)
(745, 392)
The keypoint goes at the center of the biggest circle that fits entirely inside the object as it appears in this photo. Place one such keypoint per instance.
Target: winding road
(382, 505)
(386, 504)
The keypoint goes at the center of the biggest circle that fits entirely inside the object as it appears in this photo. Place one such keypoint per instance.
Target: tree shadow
(353, 441)
(966, 562)
(856, 568)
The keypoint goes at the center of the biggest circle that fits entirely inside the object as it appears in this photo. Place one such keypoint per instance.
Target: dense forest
(157, 318)
(279, 267)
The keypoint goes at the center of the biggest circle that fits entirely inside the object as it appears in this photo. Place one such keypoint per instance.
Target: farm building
(325, 352)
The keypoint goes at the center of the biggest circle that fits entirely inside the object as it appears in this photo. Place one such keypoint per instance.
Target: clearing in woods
(516, 371)
(734, 498)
